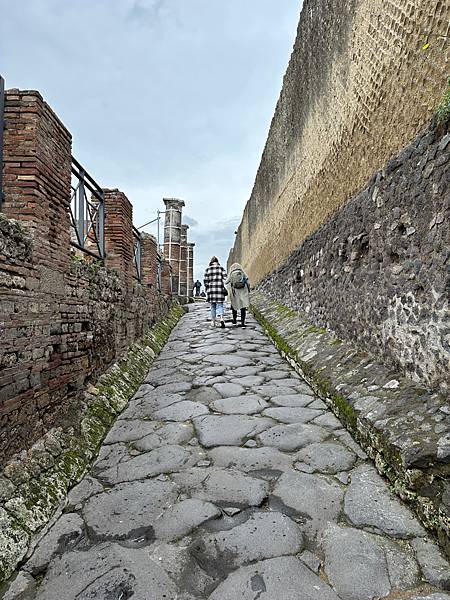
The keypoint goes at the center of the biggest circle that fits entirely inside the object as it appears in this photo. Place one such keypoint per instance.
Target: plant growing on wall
(443, 110)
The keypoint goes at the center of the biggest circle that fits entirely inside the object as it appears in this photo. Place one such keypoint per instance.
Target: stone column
(184, 291)
(149, 260)
(37, 151)
(190, 268)
(119, 241)
(172, 238)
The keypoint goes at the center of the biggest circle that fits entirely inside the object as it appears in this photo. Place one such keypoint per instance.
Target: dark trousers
(243, 314)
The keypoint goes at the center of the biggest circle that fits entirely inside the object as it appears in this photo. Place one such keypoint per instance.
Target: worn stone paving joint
(226, 477)
(33, 485)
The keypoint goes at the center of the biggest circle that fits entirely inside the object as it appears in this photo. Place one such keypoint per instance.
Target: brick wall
(63, 319)
(149, 260)
(119, 243)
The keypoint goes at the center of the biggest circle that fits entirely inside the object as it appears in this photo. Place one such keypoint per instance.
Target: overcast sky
(163, 97)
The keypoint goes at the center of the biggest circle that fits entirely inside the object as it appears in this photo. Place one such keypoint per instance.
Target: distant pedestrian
(239, 292)
(197, 287)
(214, 278)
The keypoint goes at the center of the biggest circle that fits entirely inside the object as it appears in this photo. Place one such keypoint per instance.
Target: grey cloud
(189, 221)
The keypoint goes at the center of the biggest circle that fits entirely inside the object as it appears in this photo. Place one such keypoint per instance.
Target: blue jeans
(216, 309)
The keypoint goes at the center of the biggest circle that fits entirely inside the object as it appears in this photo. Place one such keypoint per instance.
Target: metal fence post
(2, 126)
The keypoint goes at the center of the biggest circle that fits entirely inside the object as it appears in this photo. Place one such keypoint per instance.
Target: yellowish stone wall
(364, 77)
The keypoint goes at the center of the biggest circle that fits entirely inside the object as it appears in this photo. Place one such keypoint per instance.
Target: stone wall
(363, 79)
(377, 272)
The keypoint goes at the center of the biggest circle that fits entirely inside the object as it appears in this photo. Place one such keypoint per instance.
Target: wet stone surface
(227, 479)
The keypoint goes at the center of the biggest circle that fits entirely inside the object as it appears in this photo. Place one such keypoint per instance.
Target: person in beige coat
(238, 292)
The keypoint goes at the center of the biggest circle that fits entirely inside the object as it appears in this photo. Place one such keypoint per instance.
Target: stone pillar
(166, 276)
(172, 238)
(119, 241)
(184, 290)
(37, 151)
(190, 268)
(149, 260)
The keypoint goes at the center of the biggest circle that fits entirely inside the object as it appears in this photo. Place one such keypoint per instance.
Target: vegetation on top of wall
(443, 110)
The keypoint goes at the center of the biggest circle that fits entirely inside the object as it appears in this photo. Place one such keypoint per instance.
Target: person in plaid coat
(214, 278)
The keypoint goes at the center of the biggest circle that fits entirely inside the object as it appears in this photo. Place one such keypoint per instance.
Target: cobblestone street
(226, 479)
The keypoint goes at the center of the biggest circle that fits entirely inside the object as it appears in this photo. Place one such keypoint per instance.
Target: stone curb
(34, 485)
(402, 427)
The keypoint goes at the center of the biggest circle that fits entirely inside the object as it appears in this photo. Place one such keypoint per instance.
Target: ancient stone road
(226, 479)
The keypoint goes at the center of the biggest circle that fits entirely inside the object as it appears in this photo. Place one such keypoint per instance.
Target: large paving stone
(148, 405)
(129, 430)
(212, 349)
(283, 578)
(316, 498)
(293, 400)
(226, 487)
(128, 510)
(170, 434)
(228, 430)
(180, 519)
(355, 564)
(22, 588)
(247, 404)
(250, 459)
(161, 460)
(269, 390)
(87, 487)
(204, 395)
(327, 457)
(435, 567)
(229, 390)
(288, 414)
(292, 437)
(244, 371)
(67, 530)
(107, 571)
(229, 360)
(327, 420)
(369, 503)
(171, 388)
(248, 380)
(263, 535)
(181, 411)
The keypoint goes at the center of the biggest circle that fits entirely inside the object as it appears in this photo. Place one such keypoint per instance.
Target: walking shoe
(222, 324)
(213, 322)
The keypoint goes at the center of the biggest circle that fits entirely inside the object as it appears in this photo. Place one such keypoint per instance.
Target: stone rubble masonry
(402, 426)
(119, 240)
(172, 238)
(377, 272)
(364, 78)
(63, 320)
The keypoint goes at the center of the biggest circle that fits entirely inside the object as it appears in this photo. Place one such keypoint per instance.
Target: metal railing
(87, 214)
(158, 272)
(2, 126)
(137, 253)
